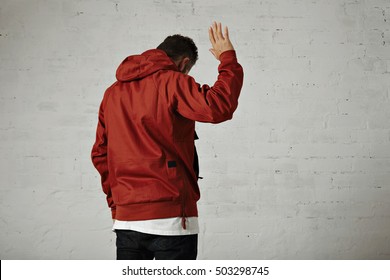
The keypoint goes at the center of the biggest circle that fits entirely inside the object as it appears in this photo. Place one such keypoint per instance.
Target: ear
(182, 65)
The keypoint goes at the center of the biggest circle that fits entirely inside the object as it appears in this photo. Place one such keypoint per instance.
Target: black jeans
(133, 245)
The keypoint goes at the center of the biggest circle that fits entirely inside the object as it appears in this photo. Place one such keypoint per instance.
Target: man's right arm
(217, 103)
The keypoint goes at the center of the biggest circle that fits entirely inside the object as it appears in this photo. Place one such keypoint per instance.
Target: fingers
(211, 35)
(220, 41)
(226, 33)
(218, 28)
(214, 28)
(215, 32)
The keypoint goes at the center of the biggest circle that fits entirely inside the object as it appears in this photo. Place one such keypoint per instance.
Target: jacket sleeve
(210, 104)
(99, 157)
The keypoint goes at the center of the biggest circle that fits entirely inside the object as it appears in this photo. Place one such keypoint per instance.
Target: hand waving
(220, 42)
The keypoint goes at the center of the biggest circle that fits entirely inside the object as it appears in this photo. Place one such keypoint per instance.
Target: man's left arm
(99, 158)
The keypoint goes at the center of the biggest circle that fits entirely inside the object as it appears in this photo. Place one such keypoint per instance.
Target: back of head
(177, 46)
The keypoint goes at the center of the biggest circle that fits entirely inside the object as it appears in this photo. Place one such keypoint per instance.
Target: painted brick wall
(301, 172)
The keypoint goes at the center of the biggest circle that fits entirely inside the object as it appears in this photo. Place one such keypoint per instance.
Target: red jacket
(144, 149)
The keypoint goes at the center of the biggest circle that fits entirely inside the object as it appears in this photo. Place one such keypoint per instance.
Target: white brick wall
(301, 172)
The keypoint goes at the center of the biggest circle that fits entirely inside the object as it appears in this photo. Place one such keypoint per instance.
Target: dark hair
(176, 46)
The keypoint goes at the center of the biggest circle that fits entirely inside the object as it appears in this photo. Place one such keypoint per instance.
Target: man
(144, 149)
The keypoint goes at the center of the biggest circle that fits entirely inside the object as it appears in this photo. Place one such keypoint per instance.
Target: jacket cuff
(227, 54)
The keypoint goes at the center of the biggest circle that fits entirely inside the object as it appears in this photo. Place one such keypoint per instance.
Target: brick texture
(301, 172)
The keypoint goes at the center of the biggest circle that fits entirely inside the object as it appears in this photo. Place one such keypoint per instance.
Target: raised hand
(220, 42)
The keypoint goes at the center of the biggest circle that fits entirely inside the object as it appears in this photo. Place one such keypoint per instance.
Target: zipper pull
(183, 223)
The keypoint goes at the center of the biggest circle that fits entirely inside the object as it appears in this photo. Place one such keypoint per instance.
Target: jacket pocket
(143, 181)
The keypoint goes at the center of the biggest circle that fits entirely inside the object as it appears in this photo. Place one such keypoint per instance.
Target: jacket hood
(139, 66)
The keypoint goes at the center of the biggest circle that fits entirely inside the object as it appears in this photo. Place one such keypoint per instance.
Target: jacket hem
(155, 210)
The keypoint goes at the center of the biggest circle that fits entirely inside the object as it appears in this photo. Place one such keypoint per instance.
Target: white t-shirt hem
(169, 226)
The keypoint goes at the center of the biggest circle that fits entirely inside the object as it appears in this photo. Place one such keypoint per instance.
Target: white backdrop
(301, 172)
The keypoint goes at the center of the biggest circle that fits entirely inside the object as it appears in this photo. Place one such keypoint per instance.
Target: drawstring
(183, 222)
